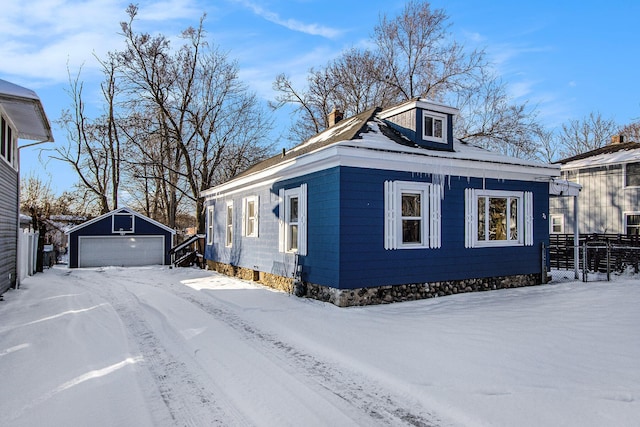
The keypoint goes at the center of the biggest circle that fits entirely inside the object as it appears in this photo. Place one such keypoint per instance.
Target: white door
(98, 251)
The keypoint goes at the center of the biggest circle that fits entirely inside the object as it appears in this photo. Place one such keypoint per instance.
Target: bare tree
(631, 131)
(580, 136)
(91, 148)
(418, 56)
(203, 117)
(414, 57)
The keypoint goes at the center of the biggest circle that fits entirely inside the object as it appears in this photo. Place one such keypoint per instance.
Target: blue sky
(567, 58)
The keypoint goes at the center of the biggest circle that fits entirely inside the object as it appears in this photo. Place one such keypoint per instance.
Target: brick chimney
(334, 117)
(617, 139)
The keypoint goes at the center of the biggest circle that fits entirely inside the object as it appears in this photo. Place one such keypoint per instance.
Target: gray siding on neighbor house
(602, 203)
(8, 225)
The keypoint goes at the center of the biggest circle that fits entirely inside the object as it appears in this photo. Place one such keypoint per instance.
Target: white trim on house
(418, 103)
(285, 224)
(429, 216)
(250, 223)
(374, 151)
(523, 225)
(210, 224)
(442, 118)
(228, 225)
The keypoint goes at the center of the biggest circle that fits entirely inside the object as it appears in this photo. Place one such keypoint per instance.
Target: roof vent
(334, 117)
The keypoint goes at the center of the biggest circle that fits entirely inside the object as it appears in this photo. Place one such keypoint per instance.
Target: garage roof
(117, 211)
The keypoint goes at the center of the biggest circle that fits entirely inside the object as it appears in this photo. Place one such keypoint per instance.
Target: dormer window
(433, 128)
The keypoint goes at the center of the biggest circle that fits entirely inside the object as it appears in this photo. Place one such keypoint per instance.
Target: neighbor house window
(210, 225)
(498, 218)
(122, 223)
(293, 220)
(229, 224)
(632, 223)
(250, 210)
(632, 175)
(557, 224)
(434, 127)
(412, 215)
(7, 142)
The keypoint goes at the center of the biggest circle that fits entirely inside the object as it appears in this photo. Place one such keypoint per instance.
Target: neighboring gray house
(609, 201)
(21, 117)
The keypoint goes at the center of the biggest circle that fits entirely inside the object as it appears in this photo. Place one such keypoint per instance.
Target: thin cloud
(292, 24)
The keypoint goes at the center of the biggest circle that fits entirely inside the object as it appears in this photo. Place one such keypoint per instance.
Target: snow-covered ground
(186, 347)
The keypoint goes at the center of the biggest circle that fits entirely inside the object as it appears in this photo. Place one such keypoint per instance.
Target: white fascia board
(117, 211)
(342, 154)
(418, 103)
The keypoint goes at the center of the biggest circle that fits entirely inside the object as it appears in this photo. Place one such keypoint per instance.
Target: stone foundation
(274, 281)
(416, 291)
(379, 294)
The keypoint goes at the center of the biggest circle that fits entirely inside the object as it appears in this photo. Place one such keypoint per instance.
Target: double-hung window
(557, 224)
(412, 215)
(498, 218)
(632, 223)
(250, 209)
(632, 175)
(434, 127)
(210, 225)
(293, 220)
(229, 225)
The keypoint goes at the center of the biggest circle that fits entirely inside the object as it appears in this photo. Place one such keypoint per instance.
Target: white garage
(125, 251)
(120, 238)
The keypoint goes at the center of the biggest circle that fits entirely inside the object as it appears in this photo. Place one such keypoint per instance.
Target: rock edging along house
(380, 207)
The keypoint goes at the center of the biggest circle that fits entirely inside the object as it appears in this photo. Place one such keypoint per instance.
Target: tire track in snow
(353, 388)
(188, 401)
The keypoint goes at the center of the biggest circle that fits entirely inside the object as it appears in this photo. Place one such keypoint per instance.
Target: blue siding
(365, 262)
(104, 228)
(346, 233)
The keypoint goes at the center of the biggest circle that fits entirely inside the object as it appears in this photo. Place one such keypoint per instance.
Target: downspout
(576, 237)
(17, 283)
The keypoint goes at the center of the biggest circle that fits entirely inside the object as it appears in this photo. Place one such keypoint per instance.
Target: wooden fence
(604, 252)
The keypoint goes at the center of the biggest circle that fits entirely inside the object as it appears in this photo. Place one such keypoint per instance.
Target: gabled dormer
(426, 123)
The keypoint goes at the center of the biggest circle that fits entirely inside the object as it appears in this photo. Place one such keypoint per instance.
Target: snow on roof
(25, 110)
(632, 154)
(377, 145)
(342, 126)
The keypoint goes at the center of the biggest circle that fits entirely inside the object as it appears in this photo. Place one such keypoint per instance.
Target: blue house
(380, 207)
(121, 237)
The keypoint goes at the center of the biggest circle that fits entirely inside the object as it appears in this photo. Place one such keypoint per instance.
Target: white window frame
(434, 116)
(247, 220)
(8, 142)
(524, 218)
(228, 232)
(552, 223)
(430, 216)
(626, 224)
(113, 223)
(210, 224)
(284, 241)
(626, 176)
